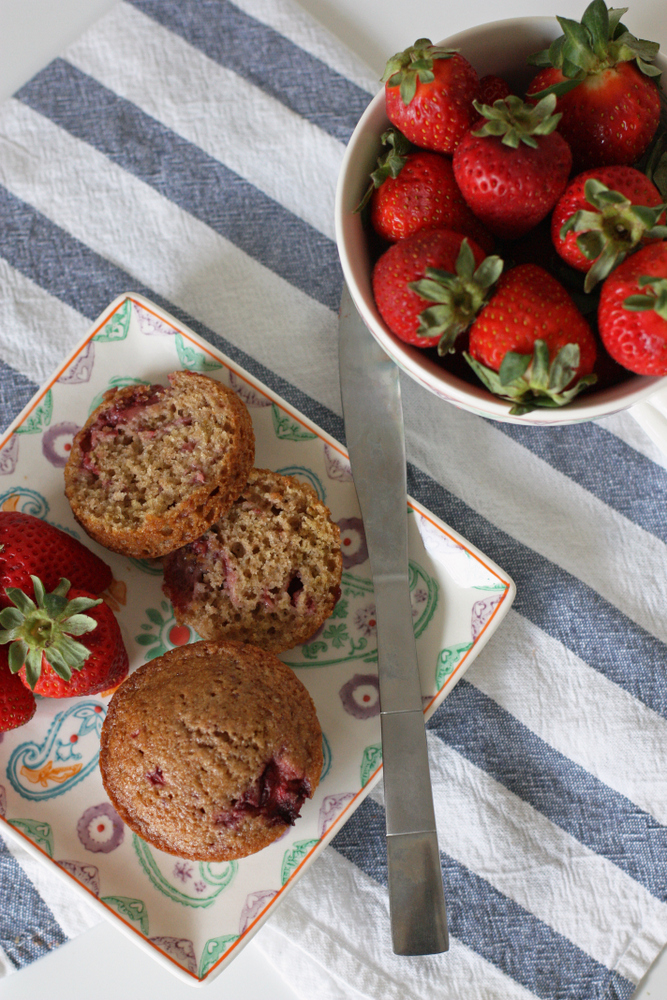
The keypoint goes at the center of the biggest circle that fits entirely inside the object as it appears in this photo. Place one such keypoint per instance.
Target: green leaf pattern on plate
(162, 632)
(294, 857)
(213, 950)
(191, 883)
(40, 833)
(370, 761)
(447, 661)
(193, 360)
(288, 429)
(131, 909)
(350, 633)
(118, 325)
(39, 418)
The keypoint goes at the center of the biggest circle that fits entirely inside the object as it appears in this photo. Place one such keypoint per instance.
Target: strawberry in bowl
(632, 314)
(513, 166)
(605, 81)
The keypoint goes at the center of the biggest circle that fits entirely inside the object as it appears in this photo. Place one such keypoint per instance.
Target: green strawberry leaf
(33, 666)
(563, 368)
(10, 618)
(16, 657)
(615, 14)
(577, 48)
(21, 600)
(80, 624)
(596, 20)
(513, 368)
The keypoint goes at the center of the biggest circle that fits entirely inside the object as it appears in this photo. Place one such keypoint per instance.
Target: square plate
(194, 917)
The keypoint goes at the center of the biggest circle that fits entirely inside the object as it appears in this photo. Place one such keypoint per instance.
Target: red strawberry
(602, 215)
(632, 314)
(605, 84)
(530, 344)
(429, 93)
(414, 189)
(29, 546)
(42, 649)
(442, 264)
(493, 88)
(17, 703)
(513, 167)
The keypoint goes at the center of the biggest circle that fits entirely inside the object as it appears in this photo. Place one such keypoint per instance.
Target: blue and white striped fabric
(188, 150)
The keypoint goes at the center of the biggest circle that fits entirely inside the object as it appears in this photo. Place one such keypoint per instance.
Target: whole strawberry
(602, 215)
(30, 546)
(416, 277)
(530, 345)
(17, 703)
(414, 189)
(632, 313)
(429, 93)
(513, 166)
(606, 87)
(63, 643)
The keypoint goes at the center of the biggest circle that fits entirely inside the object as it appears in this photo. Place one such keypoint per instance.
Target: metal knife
(373, 416)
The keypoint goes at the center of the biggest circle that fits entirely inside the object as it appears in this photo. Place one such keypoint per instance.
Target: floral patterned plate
(195, 917)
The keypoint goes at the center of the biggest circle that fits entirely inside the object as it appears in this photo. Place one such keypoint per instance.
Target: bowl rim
(364, 141)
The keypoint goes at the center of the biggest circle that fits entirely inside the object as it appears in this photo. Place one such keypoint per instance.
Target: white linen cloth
(189, 150)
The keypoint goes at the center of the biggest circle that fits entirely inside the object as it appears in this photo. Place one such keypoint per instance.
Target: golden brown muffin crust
(209, 751)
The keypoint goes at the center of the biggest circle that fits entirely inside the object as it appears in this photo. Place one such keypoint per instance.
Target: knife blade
(373, 416)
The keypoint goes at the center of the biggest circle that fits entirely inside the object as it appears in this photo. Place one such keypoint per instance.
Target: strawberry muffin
(210, 751)
(268, 572)
(154, 466)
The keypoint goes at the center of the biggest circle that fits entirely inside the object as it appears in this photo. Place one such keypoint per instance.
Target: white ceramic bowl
(498, 47)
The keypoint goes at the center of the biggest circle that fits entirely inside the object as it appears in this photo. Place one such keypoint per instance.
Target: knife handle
(416, 896)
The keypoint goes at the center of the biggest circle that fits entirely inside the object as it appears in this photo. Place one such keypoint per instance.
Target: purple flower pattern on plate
(352, 541)
(481, 612)
(152, 326)
(337, 467)
(57, 443)
(365, 621)
(331, 808)
(9, 456)
(81, 368)
(250, 396)
(183, 871)
(361, 696)
(181, 949)
(88, 875)
(253, 906)
(100, 829)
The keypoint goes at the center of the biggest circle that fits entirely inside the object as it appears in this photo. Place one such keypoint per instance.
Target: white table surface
(102, 962)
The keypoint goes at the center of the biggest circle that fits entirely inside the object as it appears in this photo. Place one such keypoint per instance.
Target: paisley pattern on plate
(195, 917)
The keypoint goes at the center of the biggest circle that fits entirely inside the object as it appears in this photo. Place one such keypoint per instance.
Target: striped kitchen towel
(188, 150)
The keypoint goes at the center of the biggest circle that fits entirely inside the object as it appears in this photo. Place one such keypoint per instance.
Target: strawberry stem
(40, 631)
(457, 297)
(612, 229)
(598, 43)
(531, 381)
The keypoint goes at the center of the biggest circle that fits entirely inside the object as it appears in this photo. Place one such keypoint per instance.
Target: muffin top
(210, 751)
(268, 572)
(155, 465)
